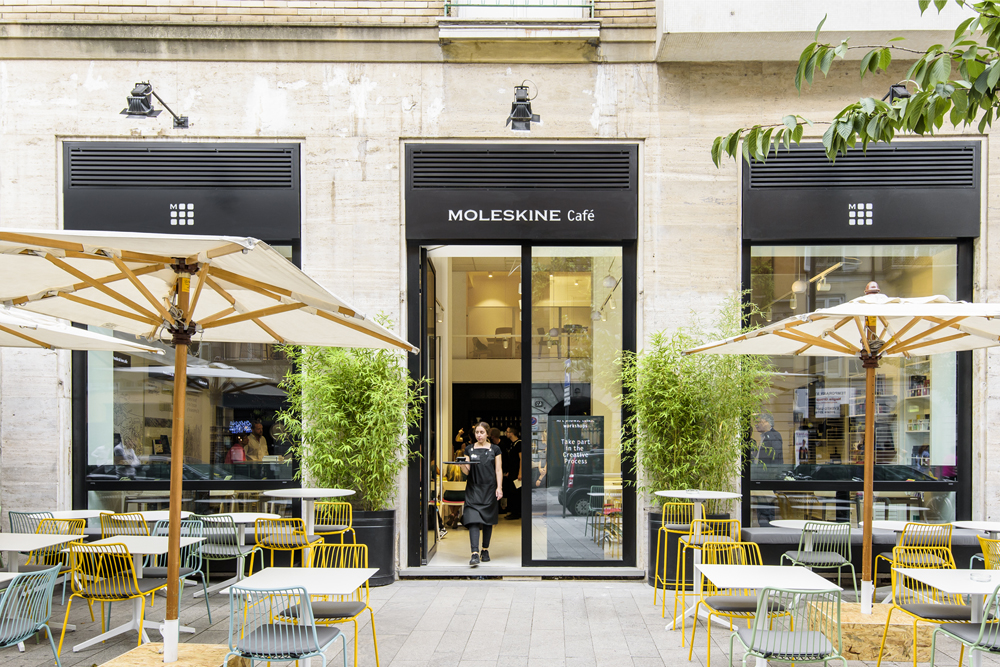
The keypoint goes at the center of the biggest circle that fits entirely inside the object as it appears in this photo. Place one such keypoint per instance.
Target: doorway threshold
(499, 571)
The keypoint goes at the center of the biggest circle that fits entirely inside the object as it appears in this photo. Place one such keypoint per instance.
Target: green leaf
(940, 4)
(868, 104)
(717, 150)
(961, 29)
(884, 59)
(993, 76)
(941, 70)
(819, 27)
(789, 122)
(764, 143)
(803, 59)
(827, 60)
(924, 4)
(897, 39)
(845, 129)
(797, 133)
(811, 67)
(866, 62)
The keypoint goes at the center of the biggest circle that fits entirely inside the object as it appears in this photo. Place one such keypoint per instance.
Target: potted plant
(689, 416)
(349, 411)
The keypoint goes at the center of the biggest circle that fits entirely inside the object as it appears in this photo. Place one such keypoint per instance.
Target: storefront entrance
(526, 299)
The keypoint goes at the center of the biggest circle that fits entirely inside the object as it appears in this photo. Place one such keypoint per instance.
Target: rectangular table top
(954, 581)
(316, 580)
(146, 545)
(79, 514)
(30, 541)
(766, 576)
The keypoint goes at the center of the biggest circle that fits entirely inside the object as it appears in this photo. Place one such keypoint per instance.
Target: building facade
(368, 141)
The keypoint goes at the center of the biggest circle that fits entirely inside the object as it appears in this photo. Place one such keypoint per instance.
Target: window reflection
(230, 432)
(818, 409)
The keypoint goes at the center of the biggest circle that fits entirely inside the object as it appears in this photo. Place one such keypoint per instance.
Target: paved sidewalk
(464, 623)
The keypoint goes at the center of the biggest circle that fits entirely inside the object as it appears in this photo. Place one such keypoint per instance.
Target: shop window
(817, 410)
(230, 432)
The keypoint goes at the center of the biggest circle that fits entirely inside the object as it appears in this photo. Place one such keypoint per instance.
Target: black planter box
(377, 529)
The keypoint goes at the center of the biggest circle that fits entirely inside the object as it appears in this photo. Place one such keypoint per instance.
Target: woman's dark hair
(484, 425)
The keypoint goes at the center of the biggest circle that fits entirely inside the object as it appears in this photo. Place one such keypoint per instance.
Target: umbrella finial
(872, 288)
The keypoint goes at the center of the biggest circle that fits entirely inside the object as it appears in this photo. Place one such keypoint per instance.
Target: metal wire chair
(701, 532)
(919, 600)
(42, 559)
(25, 607)
(131, 523)
(729, 602)
(991, 553)
(223, 541)
(831, 549)
(984, 636)
(343, 608)
(254, 635)
(676, 520)
(283, 535)
(190, 557)
(106, 573)
(797, 637)
(26, 522)
(919, 535)
(335, 518)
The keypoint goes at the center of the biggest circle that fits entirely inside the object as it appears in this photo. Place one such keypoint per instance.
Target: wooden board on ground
(862, 634)
(188, 655)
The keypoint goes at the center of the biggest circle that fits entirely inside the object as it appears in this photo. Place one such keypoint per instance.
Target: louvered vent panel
(924, 166)
(187, 167)
(521, 170)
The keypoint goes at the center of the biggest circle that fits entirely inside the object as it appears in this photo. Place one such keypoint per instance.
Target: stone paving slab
(462, 623)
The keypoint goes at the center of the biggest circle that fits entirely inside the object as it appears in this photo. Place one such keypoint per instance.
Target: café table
(308, 497)
(316, 580)
(13, 544)
(764, 576)
(990, 527)
(959, 582)
(138, 547)
(698, 498)
(240, 519)
(152, 516)
(800, 525)
(79, 514)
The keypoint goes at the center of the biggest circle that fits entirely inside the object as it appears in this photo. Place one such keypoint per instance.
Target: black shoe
(513, 517)
(485, 555)
(474, 561)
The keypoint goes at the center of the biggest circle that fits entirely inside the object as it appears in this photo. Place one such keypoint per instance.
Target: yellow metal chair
(676, 520)
(991, 552)
(345, 607)
(729, 602)
(283, 535)
(936, 535)
(131, 523)
(43, 559)
(335, 518)
(106, 573)
(701, 532)
(917, 599)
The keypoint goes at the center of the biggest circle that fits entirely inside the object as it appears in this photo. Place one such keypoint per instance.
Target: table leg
(976, 601)
(132, 625)
(888, 598)
(696, 559)
(11, 557)
(308, 515)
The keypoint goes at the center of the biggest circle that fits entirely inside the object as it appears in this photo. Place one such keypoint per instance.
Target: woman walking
(482, 492)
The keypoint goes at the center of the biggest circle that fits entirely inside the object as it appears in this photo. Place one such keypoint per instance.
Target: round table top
(160, 515)
(698, 494)
(308, 494)
(249, 517)
(984, 526)
(79, 514)
(895, 526)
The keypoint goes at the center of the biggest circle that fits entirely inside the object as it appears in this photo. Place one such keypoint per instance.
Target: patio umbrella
(179, 287)
(872, 327)
(20, 328)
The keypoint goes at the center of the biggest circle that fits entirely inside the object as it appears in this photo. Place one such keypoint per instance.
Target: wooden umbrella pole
(870, 363)
(181, 340)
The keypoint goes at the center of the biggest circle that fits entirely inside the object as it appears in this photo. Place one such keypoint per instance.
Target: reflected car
(836, 472)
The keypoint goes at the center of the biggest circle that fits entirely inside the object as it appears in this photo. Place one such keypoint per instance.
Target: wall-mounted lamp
(521, 118)
(897, 91)
(140, 105)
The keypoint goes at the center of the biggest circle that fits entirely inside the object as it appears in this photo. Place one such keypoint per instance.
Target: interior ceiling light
(612, 303)
(800, 286)
(609, 281)
(595, 315)
(491, 274)
(140, 105)
(793, 302)
(521, 118)
(822, 285)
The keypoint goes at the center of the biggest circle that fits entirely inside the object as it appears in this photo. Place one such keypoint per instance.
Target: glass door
(575, 488)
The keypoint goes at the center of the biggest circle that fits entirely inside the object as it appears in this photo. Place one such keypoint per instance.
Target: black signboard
(518, 192)
(576, 447)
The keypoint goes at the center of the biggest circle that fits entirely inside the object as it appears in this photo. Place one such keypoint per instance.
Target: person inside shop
(237, 452)
(126, 460)
(512, 474)
(504, 444)
(453, 473)
(256, 443)
(770, 452)
(483, 492)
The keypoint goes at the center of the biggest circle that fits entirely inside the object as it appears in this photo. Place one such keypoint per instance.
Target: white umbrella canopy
(29, 330)
(871, 327)
(212, 288)
(242, 290)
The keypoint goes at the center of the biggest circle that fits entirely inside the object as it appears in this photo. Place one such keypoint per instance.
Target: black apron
(481, 504)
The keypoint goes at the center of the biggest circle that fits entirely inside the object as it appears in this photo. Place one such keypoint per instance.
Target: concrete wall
(351, 118)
